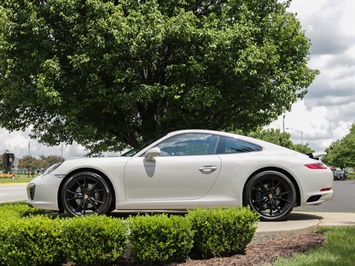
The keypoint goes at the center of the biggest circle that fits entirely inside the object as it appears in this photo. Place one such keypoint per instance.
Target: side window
(230, 145)
(189, 144)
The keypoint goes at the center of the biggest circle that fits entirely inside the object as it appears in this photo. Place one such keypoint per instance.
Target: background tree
(30, 163)
(274, 136)
(33, 164)
(341, 153)
(50, 160)
(302, 148)
(108, 74)
(279, 138)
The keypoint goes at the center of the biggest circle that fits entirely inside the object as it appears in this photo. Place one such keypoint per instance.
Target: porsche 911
(187, 169)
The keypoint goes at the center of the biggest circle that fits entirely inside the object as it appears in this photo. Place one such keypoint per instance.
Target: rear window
(230, 145)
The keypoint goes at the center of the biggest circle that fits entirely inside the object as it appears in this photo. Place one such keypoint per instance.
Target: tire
(271, 194)
(86, 193)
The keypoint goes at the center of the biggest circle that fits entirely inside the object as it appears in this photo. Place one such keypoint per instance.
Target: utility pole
(298, 131)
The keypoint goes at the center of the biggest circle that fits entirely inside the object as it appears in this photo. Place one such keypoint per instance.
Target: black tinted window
(230, 145)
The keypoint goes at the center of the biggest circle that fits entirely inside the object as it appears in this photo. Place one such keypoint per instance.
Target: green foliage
(32, 240)
(273, 136)
(26, 236)
(276, 137)
(351, 175)
(108, 74)
(160, 239)
(94, 240)
(341, 153)
(222, 231)
(18, 210)
(302, 148)
(338, 250)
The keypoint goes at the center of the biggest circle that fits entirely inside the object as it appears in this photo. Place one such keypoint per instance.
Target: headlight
(52, 168)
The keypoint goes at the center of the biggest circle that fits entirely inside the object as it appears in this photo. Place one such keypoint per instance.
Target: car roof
(262, 143)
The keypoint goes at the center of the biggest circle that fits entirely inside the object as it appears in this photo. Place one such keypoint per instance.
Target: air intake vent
(314, 198)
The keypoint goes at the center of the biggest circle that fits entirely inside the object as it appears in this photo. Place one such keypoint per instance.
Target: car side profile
(187, 169)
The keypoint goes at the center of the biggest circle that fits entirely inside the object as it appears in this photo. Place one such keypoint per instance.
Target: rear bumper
(320, 198)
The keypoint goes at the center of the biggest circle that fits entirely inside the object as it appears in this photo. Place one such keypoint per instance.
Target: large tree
(341, 153)
(109, 73)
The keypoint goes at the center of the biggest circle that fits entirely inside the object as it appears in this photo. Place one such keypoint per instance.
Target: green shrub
(18, 210)
(159, 239)
(9, 211)
(100, 240)
(34, 241)
(23, 240)
(222, 231)
(94, 240)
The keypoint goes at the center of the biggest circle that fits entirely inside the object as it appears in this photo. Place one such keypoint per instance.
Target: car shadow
(298, 216)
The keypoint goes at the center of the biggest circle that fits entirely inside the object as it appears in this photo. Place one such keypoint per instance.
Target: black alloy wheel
(271, 194)
(86, 193)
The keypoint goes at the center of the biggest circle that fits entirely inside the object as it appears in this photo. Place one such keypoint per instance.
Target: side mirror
(153, 152)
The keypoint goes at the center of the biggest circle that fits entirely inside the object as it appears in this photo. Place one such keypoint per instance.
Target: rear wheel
(86, 193)
(271, 194)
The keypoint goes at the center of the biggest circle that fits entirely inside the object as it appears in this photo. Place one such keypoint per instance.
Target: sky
(324, 115)
(328, 110)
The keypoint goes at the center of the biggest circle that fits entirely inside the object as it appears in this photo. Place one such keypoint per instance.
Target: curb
(301, 223)
(296, 223)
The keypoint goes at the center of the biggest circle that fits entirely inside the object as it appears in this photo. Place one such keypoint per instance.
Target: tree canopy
(279, 138)
(341, 153)
(111, 73)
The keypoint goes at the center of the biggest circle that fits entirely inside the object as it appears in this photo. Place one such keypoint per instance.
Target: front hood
(92, 163)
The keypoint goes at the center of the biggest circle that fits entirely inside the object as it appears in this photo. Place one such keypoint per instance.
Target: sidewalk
(300, 223)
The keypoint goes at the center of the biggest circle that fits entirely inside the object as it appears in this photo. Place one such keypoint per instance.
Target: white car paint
(169, 181)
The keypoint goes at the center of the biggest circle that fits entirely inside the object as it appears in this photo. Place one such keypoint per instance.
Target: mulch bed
(267, 251)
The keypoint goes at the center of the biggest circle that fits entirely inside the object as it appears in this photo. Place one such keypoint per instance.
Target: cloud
(317, 125)
(325, 23)
(18, 142)
(328, 109)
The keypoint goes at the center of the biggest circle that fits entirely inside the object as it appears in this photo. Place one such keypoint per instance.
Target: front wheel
(85, 193)
(271, 194)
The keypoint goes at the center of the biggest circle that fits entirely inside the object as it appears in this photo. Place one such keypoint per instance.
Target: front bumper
(42, 192)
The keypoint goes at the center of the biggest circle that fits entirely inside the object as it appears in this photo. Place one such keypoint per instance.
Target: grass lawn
(338, 250)
(17, 179)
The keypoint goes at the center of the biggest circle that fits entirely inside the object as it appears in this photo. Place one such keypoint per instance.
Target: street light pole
(298, 131)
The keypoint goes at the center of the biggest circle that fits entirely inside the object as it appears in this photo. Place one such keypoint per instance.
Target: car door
(186, 170)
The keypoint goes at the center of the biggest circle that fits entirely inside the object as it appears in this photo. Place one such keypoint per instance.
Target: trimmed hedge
(160, 239)
(28, 236)
(41, 240)
(222, 231)
(94, 240)
(35, 240)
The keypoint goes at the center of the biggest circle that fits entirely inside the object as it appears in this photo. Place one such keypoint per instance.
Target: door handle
(207, 169)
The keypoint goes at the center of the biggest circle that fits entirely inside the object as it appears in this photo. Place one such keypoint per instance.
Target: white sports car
(187, 169)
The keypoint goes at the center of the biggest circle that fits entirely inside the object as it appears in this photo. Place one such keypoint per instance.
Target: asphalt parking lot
(343, 200)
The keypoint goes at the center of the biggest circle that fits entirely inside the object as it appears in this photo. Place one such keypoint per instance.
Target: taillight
(317, 165)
